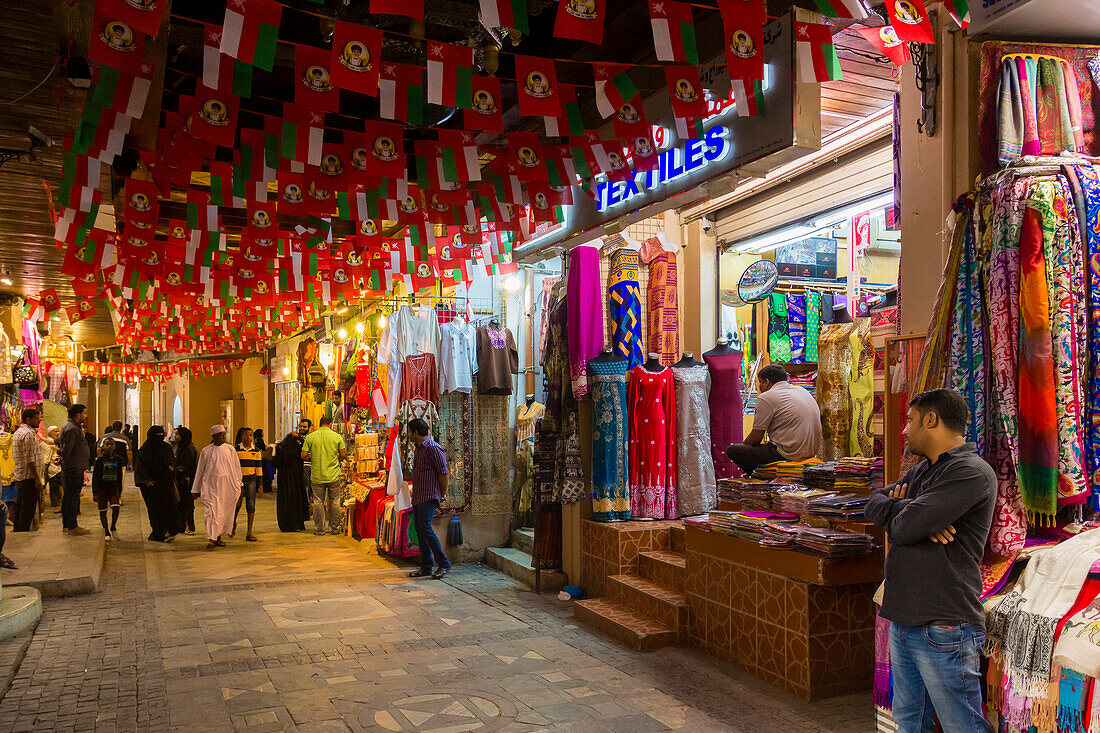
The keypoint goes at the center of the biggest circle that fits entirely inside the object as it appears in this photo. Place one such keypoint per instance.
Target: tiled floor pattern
(305, 633)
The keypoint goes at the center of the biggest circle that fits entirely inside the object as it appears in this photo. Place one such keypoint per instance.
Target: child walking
(107, 485)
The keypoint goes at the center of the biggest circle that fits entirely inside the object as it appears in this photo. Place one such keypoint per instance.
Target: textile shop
(1015, 328)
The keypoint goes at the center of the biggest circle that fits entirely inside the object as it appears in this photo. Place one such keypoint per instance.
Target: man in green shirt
(324, 448)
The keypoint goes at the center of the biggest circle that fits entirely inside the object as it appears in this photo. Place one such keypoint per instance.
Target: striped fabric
(251, 463)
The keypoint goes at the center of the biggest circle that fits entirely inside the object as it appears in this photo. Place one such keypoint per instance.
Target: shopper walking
(107, 486)
(305, 425)
(937, 519)
(268, 468)
(429, 484)
(123, 449)
(324, 448)
(218, 484)
(53, 466)
(75, 460)
(25, 453)
(251, 469)
(291, 497)
(155, 475)
(187, 460)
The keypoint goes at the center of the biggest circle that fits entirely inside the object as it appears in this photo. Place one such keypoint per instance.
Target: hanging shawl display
(1089, 179)
(967, 372)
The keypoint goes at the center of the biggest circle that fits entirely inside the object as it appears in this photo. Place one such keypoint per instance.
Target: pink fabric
(584, 312)
(726, 426)
(32, 342)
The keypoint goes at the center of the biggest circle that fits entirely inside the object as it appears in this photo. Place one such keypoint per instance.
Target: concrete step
(677, 535)
(523, 539)
(20, 609)
(517, 564)
(661, 603)
(664, 567)
(638, 631)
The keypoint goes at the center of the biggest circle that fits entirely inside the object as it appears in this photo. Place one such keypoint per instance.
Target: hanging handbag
(26, 376)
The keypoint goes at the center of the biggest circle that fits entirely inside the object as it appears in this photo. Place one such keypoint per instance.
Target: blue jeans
(426, 538)
(937, 671)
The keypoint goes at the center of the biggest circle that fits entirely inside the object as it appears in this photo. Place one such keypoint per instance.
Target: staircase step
(517, 564)
(20, 609)
(637, 631)
(677, 535)
(665, 605)
(523, 539)
(664, 567)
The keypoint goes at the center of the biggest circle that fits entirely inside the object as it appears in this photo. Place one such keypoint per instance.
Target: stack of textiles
(780, 535)
(822, 476)
(854, 474)
(796, 501)
(839, 506)
(807, 381)
(832, 543)
(750, 493)
(749, 525)
(786, 471)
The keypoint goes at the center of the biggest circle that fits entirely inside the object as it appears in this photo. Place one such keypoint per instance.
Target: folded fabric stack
(878, 473)
(854, 474)
(806, 380)
(749, 525)
(838, 506)
(780, 535)
(785, 471)
(750, 493)
(796, 501)
(820, 476)
(765, 472)
(832, 543)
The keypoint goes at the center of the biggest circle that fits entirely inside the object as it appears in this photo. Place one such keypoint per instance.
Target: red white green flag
(581, 20)
(886, 41)
(749, 96)
(222, 72)
(250, 31)
(842, 8)
(673, 31)
(450, 75)
(401, 93)
(114, 41)
(817, 59)
(959, 11)
(356, 58)
(685, 89)
(614, 88)
(460, 157)
(743, 22)
(143, 16)
(505, 14)
(570, 122)
(537, 86)
(121, 92)
(409, 8)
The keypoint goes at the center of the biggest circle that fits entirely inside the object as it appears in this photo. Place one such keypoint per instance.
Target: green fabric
(324, 446)
(813, 324)
(779, 337)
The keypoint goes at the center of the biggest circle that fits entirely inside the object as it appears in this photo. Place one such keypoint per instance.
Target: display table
(801, 622)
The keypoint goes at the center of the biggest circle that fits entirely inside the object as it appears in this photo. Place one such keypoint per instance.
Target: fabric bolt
(586, 329)
(419, 379)
(779, 337)
(625, 299)
(610, 456)
(861, 387)
(813, 325)
(966, 346)
(726, 413)
(497, 360)
(1089, 178)
(653, 450)
(696, 490)
(457, 357)
(833, 398)
(664, 310)
(796, 326)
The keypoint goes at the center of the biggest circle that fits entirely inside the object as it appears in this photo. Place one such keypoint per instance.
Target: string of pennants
(160, 371)
(173, 279)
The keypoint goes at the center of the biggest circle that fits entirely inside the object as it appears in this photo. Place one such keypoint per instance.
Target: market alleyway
(306, 633)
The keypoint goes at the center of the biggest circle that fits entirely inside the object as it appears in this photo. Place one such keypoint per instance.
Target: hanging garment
(966, 347)
(796, 326)
(1052, 108)
(494, 451)
(524, 464)
(696, 490)
(1028, 77)
(861, 388)
(653, 451)
(497, 360)
(1010, 115)
(548, 284)
(610, 464)
(779, 338)
(813, 325)
(726, 411)
(833, 374)
(419, 379)
(664, 310)
(626, 306)
(1089, 179)
(586, 330)
(408, 332)
(457, 357)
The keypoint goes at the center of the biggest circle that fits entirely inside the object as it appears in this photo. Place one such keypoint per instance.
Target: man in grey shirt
(790, 417)
(937, 519)
(75, 455)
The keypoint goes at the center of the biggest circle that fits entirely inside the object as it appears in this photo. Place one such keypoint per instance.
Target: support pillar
(699, 289)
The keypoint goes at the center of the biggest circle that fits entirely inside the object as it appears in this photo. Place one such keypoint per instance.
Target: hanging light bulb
(359, 327)
(382, 320)
(342, 333)
(511, 283)
(286, 371)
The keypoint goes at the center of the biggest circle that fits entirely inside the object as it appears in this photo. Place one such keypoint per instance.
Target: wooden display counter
(801, 622)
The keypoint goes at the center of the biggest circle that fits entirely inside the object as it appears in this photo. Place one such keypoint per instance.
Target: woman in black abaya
(155, 475)
(291, 499)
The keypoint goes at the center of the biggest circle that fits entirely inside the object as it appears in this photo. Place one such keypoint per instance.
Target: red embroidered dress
(652, 400)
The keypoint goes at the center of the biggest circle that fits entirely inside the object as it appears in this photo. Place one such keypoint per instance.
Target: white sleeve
(200, 471)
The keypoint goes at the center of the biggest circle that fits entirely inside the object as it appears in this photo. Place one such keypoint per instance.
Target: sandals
(211, 545)
(7, 563)
(421, 574)
(249, 538)
(219, 542)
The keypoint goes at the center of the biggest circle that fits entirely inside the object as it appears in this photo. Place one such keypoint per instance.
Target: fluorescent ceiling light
(768, 242)
(839, 217)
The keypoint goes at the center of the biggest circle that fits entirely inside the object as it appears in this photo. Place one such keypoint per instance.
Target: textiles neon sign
(674, 164)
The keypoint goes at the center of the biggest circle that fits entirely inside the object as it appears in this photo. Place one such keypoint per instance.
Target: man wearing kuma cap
(218, 482)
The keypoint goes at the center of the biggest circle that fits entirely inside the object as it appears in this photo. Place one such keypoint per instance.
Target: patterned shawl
(1010, 115)
(779, 338)
(813, 324)
(967, 340)
(1089, 179)
(796, 323)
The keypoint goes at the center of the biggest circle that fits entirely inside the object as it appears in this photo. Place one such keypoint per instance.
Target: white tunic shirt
(457, 357)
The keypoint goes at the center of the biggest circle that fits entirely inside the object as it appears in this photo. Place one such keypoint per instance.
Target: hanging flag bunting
(485, 113)
(537, 87)
(526, 157)
(219, 71)
(613, 88)
(143, 16)
(356, 58)
(221, 185)
(302, 135)
(581, 20)
(250, 31)
(115, 42)
(101, 133)
(201, 214)
(817, 59)
(749, 97)
(49, 301)
(212, 115)
(959, 11)
(505, 14)
(743, 21)
(312, 79)
(262, 218)
(460, 157)
(84, 308)
(450, 75)
(629, 119)
(401, 93)
(842, 9)
(409, 8)
(570, 122)
(673, 31)
(142, 205)
(910, 20)
(385, 152)
(292, 193)
(686, 91)
(121, 92)
(886, 41)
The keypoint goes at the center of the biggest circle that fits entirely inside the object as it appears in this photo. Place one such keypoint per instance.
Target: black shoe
(441, 571)
(421, 573)
(219, 542)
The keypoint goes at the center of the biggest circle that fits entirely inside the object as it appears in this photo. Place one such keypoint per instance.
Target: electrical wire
(33, 90)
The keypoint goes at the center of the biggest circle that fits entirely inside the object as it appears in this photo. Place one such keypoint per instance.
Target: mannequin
(686, 361)
(841, 314)
(607, 355)
(530, 401)
(890, 299)
(494, 322)
(721, 348)
(653, 362)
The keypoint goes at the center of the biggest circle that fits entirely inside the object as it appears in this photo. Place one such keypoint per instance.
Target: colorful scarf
(664, 312)
(813, 325)
(932, 362)
(882, 689)
(1038, 420)
(1010, 115)
(626, 306)
(1089, 178)
(967, 341)
(796, 325)
(586, 332)
(861, 388)
(1028, 74)
(779, 338)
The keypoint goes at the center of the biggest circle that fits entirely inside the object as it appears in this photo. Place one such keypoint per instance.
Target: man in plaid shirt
(24, 451)
(429, 481)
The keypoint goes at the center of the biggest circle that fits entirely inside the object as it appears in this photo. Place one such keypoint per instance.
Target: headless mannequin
(686, 361)
(494, 323)
(530, 401)
(890, 300)
(721, 348)
(607, 355)
(841, 314)
(653, 363)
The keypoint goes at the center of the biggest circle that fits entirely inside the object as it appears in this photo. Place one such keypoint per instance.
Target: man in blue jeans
(429, 481)
(937, 519)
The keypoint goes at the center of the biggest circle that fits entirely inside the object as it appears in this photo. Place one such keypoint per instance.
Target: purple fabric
(584, 300)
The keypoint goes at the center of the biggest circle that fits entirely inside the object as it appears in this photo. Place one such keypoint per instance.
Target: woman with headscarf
(187, 459)
(155, 475)
(291, 499)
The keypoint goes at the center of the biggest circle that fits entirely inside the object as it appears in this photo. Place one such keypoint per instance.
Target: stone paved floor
(297, 632)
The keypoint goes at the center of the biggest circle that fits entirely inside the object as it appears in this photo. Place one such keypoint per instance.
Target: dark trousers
(3, 529)
(426, 538)
(70, 498)
(748, 457)
(186, 506)
(26, 504)
(55, 489)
